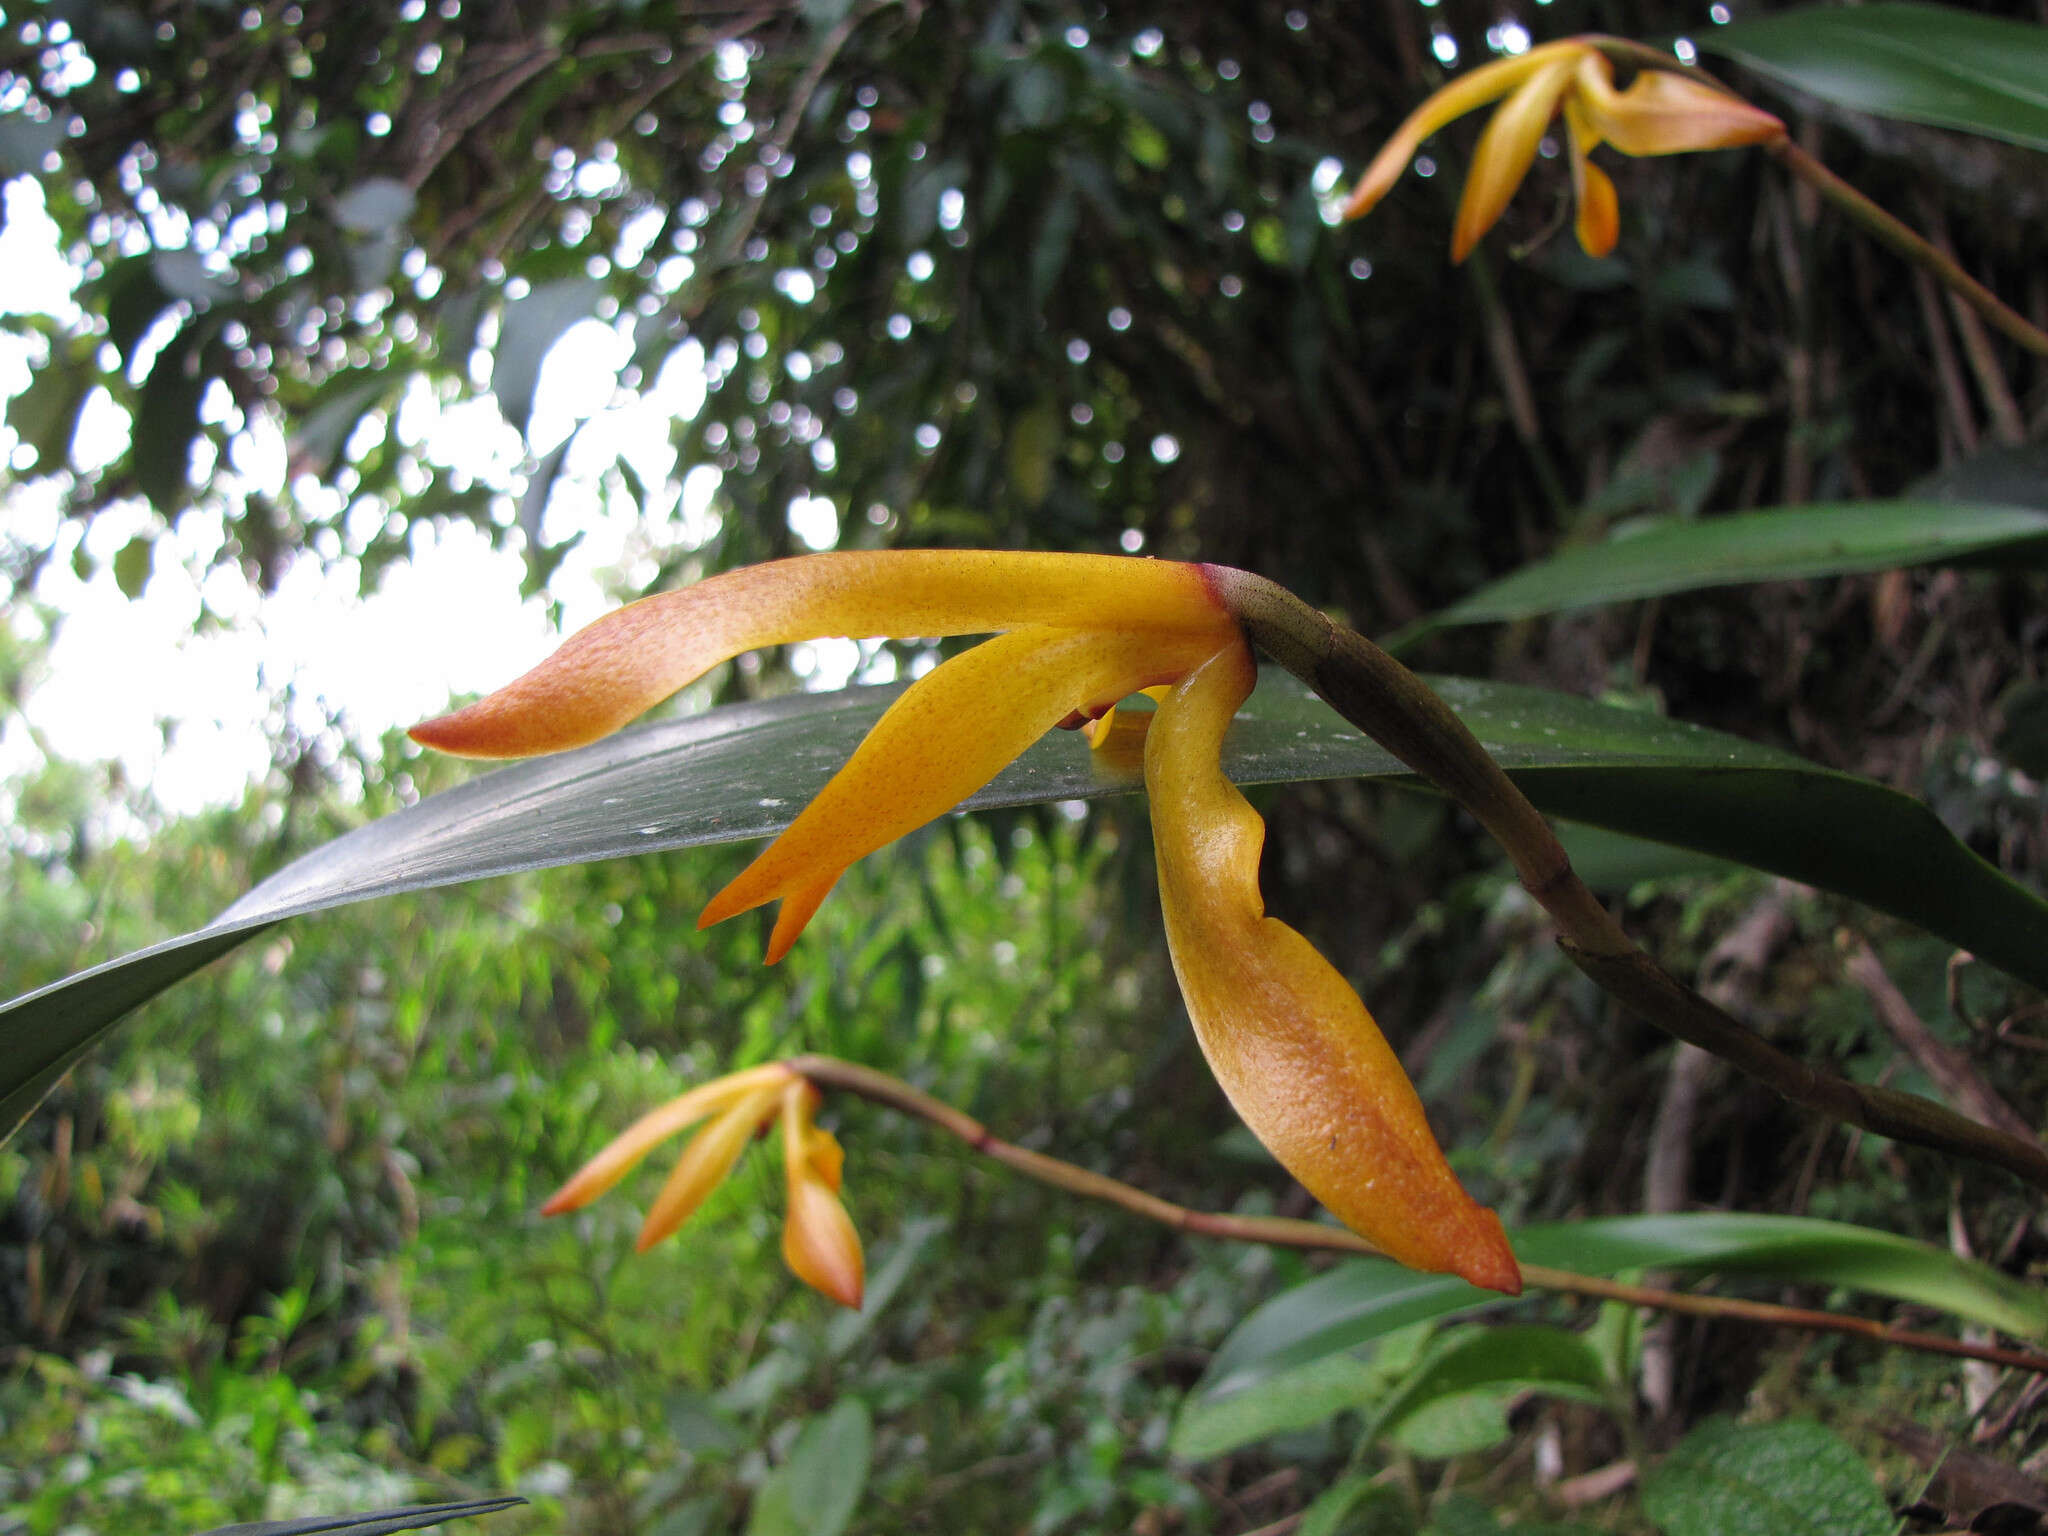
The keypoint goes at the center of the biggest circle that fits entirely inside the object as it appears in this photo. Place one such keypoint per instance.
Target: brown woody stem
(828, 1072)
(1403, 714)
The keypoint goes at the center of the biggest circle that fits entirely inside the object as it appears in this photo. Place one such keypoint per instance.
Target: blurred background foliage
(1027, 274)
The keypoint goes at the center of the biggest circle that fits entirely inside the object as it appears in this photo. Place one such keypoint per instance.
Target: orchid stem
(829, 1072)
(1403, 714)
(1881, 226)
(1889, 230)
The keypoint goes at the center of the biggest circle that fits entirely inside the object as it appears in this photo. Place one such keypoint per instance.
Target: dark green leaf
(413, 1517)
(1776, 545)
(131, 565)
(25, 144)
(1924, 63)
(1363, 1300)
(324, 430)
(1793, 1478)
(745, 772)
(45, 415)
(166, 422)
(533, 324)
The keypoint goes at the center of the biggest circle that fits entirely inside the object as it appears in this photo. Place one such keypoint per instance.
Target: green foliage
(1066, 281)
(1650, 559)
(1726, 1479)
(1925, 63)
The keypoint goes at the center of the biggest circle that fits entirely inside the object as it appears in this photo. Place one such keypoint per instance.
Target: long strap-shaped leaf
(1935, 64)
(1273, 1355)
(745, 771)
(1780, 544)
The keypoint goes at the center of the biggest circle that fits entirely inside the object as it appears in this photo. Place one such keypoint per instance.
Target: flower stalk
(829, 1073)
(1403, 714)
(1668, 108)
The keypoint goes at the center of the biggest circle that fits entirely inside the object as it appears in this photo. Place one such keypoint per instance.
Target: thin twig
(825, 1072)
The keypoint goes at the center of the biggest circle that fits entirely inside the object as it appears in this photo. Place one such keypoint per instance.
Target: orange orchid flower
(818, 1240)
(1292, 1045)
(1662, 112)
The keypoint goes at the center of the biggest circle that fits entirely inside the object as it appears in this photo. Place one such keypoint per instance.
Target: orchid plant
(1295, 1050)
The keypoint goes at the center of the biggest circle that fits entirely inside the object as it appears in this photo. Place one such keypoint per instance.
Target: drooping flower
(1662, 112)
(1292, 1045)
(818, 1240)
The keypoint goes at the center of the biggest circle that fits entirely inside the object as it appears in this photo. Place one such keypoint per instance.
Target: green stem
(828, 1072)
(1866, 215)
(1888, 230)
(1398, 710)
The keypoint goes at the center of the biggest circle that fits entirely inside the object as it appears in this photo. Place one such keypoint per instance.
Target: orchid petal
(819, 1242)
(705, 1163)
(1664, 113)
(1295, 1050)
(1506, 150)
(627, 662)
(625, 1150)
(1465, 94)
(1598, 223)
(956, 728)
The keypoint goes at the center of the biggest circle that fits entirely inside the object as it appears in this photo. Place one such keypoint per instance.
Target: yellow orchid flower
(1294, 1048)
(1660, 113)
(818, 1240)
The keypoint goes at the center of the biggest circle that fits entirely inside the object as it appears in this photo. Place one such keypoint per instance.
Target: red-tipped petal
(629, 661)
(948, 735)
(625, 1150)
(1292, 1045)
(705, 1163)
(818, 1240)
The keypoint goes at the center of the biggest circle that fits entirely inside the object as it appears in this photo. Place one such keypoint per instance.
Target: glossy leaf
(744, 772)
(1366, 1299)
(1782, 544)
(1923, 63)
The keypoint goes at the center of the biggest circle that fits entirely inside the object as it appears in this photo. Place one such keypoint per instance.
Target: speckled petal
(621, 666)
(950, 733)
(1292, 1045)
